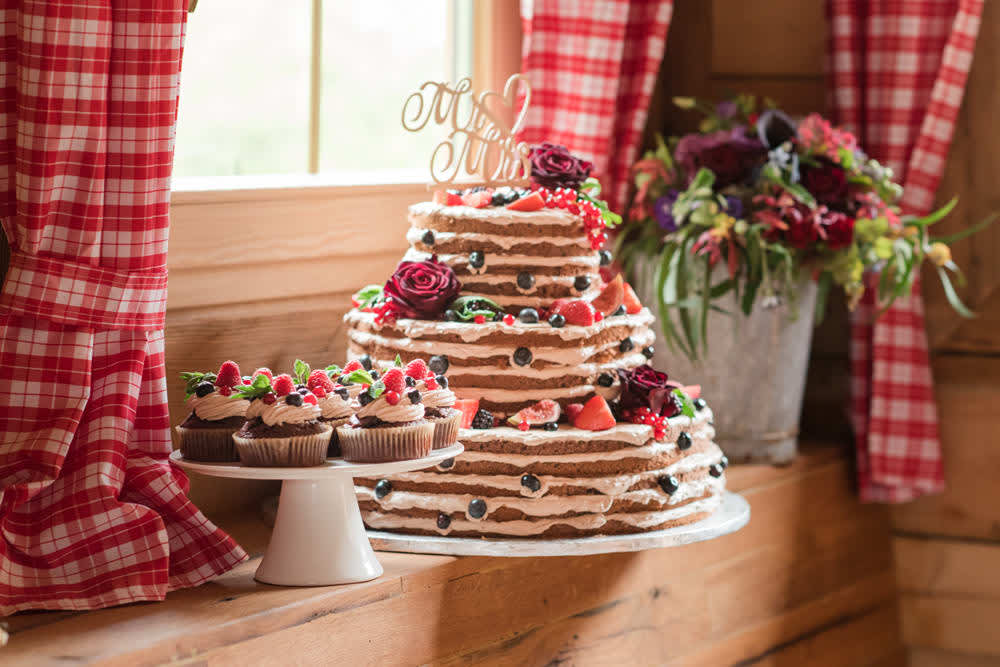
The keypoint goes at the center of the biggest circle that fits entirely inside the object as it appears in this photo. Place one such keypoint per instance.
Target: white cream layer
(280, 412)
(414, 235)
(497, 215)
(587, 261)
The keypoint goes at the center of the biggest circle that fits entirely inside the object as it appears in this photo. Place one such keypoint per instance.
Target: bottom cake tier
(555, 484)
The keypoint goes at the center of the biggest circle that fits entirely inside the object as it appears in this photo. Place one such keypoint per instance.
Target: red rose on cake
(553, 166)
(421, 290)
(646, 387)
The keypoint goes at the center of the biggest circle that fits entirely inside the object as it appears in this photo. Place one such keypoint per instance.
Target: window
(310, 86)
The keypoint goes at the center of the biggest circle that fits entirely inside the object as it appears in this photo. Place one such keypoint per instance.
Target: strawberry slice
(446, 198)
(632, 305)
(595, 416)
(577, 312)
(532, 202)
(479, 199)
(468, 407)
(612, 296)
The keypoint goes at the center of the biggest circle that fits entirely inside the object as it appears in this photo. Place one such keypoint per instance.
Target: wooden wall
(947, 546)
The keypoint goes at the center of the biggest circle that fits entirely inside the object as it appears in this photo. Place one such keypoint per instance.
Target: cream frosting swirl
(403, 411)
(436, 398)
(280, 412)
(216, 407)
(332, 406)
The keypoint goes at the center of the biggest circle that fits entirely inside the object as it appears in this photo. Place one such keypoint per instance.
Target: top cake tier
(517, 259)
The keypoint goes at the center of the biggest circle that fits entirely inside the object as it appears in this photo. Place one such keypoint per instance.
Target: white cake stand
(733, 514)
(318, 537)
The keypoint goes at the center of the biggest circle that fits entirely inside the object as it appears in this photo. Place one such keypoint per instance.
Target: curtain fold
(898, 73)
(592, 65)
(92, 513)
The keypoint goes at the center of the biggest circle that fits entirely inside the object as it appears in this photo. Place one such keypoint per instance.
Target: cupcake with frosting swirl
(439, 402)
(335, 404)
(217, 411)
(389, 424)
(283, 427)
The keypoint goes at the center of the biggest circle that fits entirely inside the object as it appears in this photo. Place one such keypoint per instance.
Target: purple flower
(726, 109)
(734, 206)
(663, 211)
(730, 154)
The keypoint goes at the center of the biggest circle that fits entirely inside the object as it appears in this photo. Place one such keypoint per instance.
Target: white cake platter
(732, 514)
(318, 537)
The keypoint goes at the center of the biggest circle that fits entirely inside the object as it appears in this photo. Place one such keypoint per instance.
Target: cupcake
(438, 401)
(354, 387)
(334, 402)
(389, 424)
(283, 427)
(217, 411)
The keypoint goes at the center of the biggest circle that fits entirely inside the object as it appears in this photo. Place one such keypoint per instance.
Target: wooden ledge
(810, 576)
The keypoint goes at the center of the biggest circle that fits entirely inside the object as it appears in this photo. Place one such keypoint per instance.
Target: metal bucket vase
(753, 374)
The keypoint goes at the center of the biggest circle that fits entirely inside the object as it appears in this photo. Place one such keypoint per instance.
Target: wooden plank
(798, 95)
(965, 625)
(777, 37)
(925, 657)
(947, 567)
(968, 391)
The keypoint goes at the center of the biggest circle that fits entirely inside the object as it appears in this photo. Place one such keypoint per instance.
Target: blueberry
(477, 259)
(204, 389)
(342, 392)
(724, 462)
(294, 399)
(557, 320)
(451, 315)
(410, 382)
(522, 356)
(498, 316)
(438, 363)
(477, 508)
(683, 441)
(374, 375)
(442, 381)
(303, 390)
(414, 396)
(428, 237)
(525, 280)
(648, 351)
(364, 398)
(383, 488)
(700, 404)
(605, 379)
(447, 464)
(669, 484)
(620, 310)
(551, 426)
(531, 483)
(528, 315)
(365, 361)
(300, 386)
(581, 283)
(606, 257)
(715, 470)
(443, 521)
(626, 345)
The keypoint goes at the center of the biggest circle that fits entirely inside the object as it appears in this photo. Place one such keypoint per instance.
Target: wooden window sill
(810, 575)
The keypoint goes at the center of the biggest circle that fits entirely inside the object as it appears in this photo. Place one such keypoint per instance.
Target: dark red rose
(803, 225)
(647, 387)
(828, 184)
(553, 166)
(839, 230)
(421, 290)
(730, 154)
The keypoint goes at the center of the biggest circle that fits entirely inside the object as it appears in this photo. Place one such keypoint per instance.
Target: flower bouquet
(761, 214)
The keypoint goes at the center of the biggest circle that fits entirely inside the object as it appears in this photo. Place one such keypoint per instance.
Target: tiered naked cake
(537, 333)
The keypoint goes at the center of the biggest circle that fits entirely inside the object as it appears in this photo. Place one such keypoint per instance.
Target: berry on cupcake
(217, 411)
(439, 404)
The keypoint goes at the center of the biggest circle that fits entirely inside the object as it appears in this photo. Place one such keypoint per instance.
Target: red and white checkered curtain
(91, 511)
(898, 74)
(592, 65)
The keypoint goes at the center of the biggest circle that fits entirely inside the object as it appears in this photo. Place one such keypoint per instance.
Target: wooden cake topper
(481, 148)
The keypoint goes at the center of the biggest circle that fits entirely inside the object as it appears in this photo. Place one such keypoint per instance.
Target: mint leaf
(368, 296)
(193, 379)
(398, 363)
(361, 376)
(301, 371)
(258, 387)
(687, 407)
(376, 389)
(469, 306)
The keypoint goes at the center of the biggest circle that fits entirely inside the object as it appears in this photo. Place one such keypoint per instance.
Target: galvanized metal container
(754, 373)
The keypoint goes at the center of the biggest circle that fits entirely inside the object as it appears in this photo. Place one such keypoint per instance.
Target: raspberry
(524, 426)
(264, 371)
(430, 382)
(319, 379)
(479, 319)
(393, 380)
(598, 316)
(392, 397)
(225, 391)
(352, 366)
(310, 398)
(508, 319)
(417, 369)
(283, 384)
(269, 398)
(320, 392)
(229, 375)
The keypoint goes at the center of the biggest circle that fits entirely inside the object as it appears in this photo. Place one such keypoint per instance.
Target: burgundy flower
(827, 183)
(802, 231)
(553, 166)
(646, 387)
(839, 230)
(730, 154)
(422, 290)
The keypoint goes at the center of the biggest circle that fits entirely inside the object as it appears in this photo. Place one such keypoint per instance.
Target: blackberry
(581, 283)
(365, 361)
(528, 315)
(483, 419)
(342, 392)
(477, 259)
(428, 237)
(525, 280)
(294, 399)
(557, 320)
(606, 257)
(364, 398)
(204, 389)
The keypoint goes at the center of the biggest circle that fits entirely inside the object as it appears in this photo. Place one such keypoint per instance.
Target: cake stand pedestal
(318, 537)
(733, 514)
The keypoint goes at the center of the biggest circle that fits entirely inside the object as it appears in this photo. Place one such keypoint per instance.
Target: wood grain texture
(779, 37)
(964, 625)
(922, 657)
(928, 566)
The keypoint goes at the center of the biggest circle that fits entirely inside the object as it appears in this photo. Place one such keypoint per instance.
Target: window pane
(374, 55)
(244, 104)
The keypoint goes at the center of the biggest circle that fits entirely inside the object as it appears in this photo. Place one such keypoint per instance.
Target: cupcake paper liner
(204, 444)
(386, 443)
(333, 451)
(290, 452)
(445, 429)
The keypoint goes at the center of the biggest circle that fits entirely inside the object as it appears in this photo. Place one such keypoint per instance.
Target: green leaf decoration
(932, 217)
(687, 405)
(193, 379)
(333, 370)
(469, 306)
(259, 386)
(397, 362)
(360, 376)
(376, 389)
(952, 296)
(302, 371)
(969, 231)
(368, 296)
